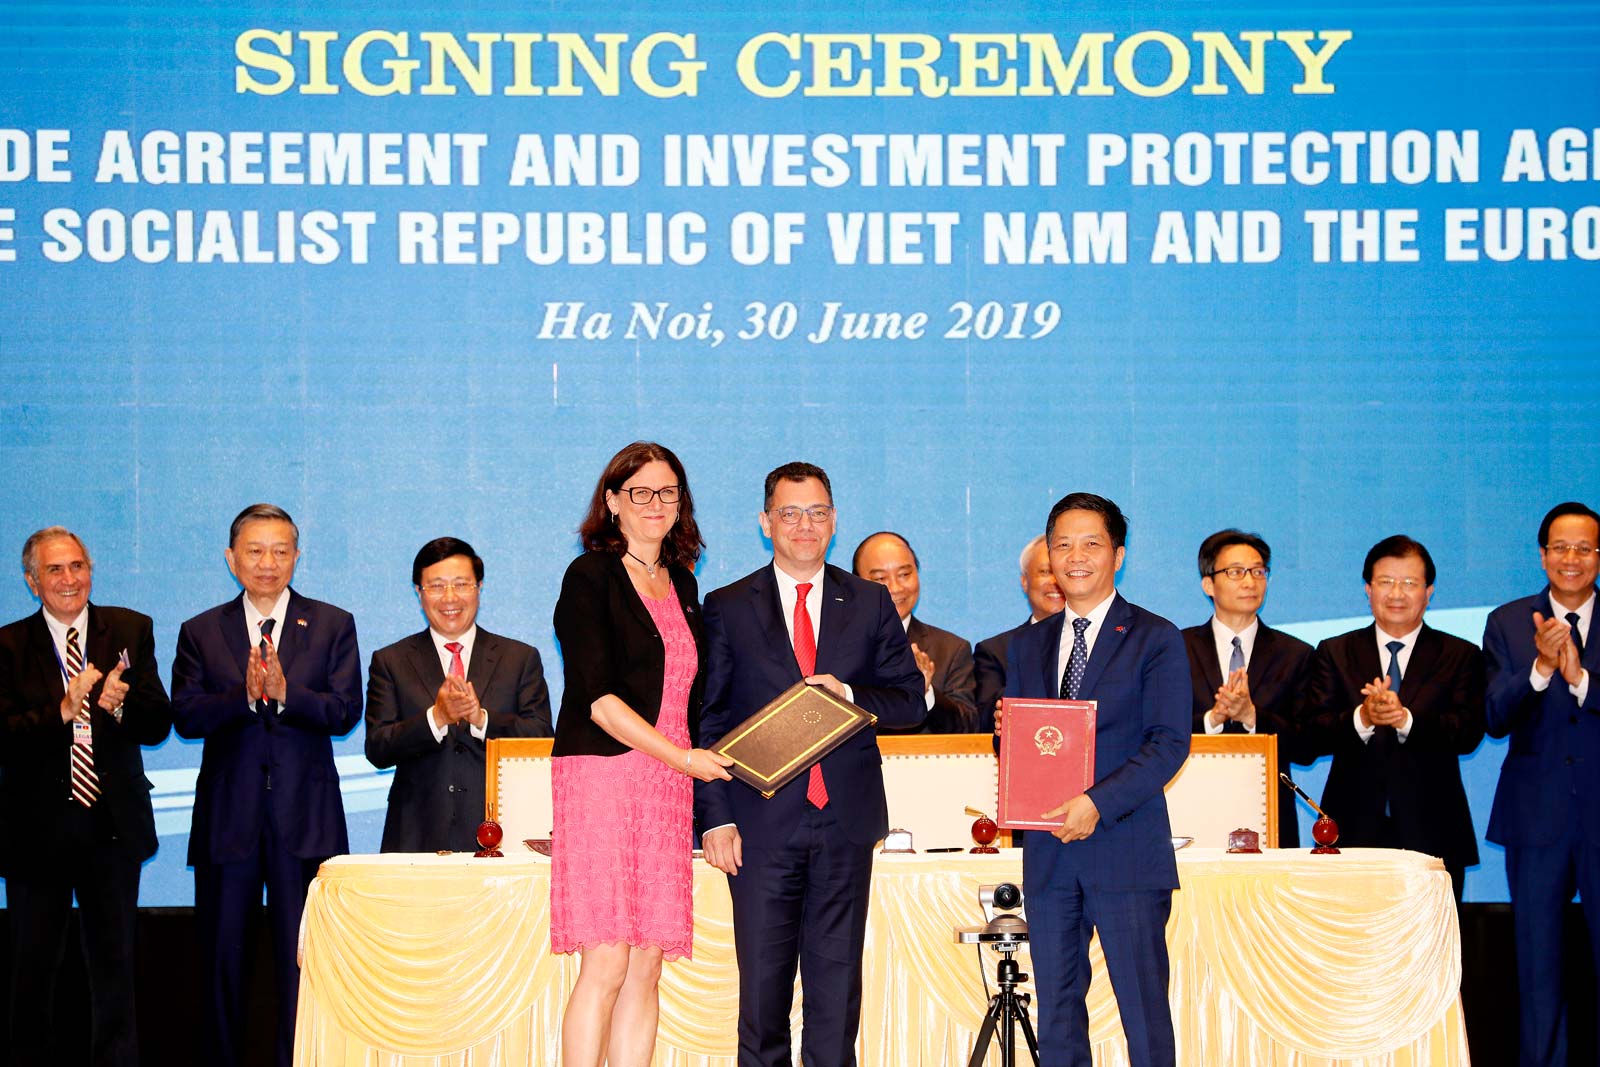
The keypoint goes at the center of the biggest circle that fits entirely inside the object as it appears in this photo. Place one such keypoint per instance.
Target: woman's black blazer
(609, 644)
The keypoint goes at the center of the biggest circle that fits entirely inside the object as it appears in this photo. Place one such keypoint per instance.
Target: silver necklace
(649, 568)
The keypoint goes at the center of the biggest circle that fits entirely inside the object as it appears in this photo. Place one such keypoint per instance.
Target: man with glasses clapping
(1247, 677)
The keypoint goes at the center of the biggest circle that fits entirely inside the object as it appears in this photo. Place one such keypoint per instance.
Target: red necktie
(456, 670)
(805, 654)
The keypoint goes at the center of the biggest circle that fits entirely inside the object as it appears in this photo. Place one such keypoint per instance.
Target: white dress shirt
(789, 594)
(1096, 617)
(1224, 642)
(1541, 682)
(252, 626)
(466, 640)
(1402, 731)
(58, 634)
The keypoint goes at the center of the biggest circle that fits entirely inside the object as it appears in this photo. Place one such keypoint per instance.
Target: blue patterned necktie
(1077, 661)
(1236, 661)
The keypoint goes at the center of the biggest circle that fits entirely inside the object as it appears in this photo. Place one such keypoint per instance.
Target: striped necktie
(85, 783)
(263, 706)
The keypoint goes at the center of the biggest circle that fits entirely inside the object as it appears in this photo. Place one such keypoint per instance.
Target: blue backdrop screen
(1325, 273)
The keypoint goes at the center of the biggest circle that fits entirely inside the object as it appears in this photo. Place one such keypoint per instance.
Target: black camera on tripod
(1005, 931)
(997, 900)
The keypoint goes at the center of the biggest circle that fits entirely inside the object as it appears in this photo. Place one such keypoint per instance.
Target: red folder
(1046, 759)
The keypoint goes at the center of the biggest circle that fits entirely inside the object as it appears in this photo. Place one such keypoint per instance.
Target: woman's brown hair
(599, 531)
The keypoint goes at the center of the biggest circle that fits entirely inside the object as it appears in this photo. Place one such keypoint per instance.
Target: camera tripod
(1007, 1009)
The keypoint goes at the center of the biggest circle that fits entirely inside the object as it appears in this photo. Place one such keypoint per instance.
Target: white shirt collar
(278, 615)
(1585, 614)
(789, 592)
(58, 635)
(467, 640)
(788, 583)
(1224, 641)
(1096, 617)
(1409, 640)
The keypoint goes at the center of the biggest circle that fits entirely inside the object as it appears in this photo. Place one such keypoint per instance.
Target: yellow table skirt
(1279, 958)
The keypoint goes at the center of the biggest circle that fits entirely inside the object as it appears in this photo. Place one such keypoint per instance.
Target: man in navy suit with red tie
(1542, 665)
(1109, 868)
(267, 680)
(800, 864)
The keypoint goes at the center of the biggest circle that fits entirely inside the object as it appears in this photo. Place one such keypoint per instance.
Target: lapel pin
(1120, 629)
(302, 622)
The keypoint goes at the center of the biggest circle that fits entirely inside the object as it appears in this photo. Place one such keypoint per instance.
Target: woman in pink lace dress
(629, 625)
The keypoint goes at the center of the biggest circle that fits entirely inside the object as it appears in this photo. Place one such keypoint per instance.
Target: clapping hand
(1380, 705)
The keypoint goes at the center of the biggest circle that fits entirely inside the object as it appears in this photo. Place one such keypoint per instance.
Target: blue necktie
(1077, 661)
(1385, 737)
(1577, 638)
(1394, 648)
(1235, 661)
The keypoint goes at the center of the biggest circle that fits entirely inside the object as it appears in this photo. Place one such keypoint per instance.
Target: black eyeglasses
(642, 496)
(1236, 574)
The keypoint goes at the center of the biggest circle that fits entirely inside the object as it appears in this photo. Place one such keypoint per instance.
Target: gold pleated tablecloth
(1278, 958)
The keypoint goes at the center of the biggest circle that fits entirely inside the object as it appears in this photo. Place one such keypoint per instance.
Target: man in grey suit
(944, 658)
(436, 697)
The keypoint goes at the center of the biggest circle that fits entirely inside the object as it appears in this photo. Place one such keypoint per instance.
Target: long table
(1278, 958)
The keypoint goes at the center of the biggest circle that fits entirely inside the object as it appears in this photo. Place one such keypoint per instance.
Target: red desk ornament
(1324, 831)
(1244, 840)
(984, 831)
(490, 835)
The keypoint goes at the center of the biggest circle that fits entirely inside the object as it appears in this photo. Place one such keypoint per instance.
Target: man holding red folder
(1109, 867)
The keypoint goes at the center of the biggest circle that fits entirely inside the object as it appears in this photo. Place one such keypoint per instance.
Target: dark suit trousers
(803, 901)
(106, 881)
(1542, 878)
(226, 895)
(1062, 914)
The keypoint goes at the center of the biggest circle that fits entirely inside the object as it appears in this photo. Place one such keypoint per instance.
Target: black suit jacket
(749, 660)
(609, 644)
(277, 765)
(989, 673)
(436, 800)
(1444, 687)
(1279, 668)
(953, 711)
(35, 754)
